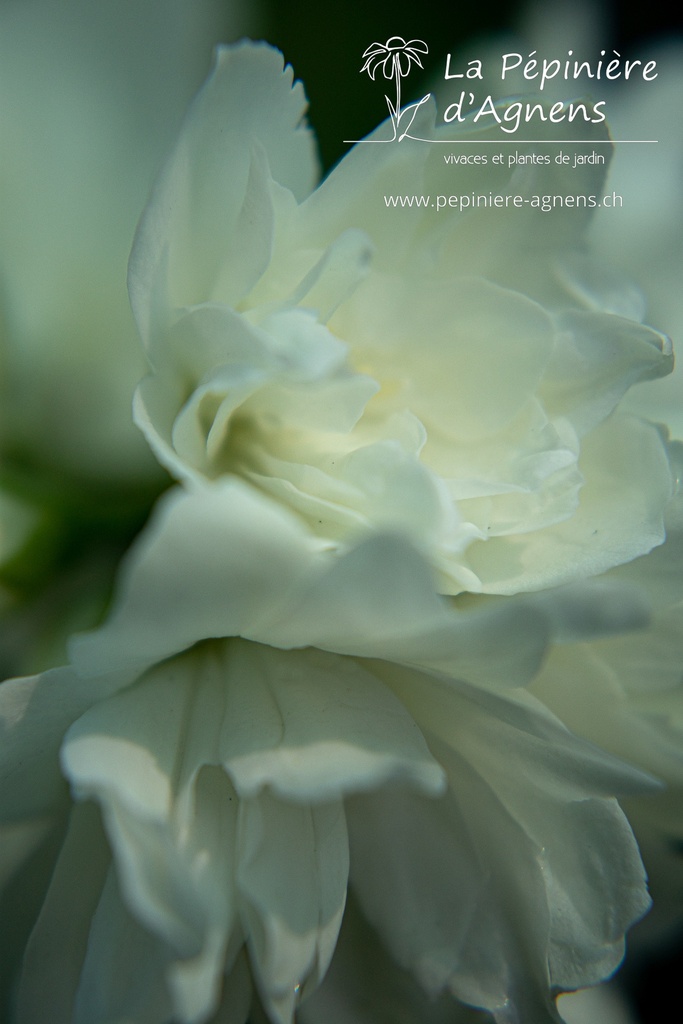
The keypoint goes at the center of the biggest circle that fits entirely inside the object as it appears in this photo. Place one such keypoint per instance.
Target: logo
(396, 57)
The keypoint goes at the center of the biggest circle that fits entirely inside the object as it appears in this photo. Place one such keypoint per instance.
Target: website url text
(491, 200)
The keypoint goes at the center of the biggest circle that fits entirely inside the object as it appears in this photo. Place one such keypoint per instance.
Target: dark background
(324, 42)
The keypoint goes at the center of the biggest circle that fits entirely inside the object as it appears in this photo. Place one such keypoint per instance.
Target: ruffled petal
(263, 577)
(314, 726)
(625, 694)
(468, 353)
(523, 878)
(305, 725)
(620, 515)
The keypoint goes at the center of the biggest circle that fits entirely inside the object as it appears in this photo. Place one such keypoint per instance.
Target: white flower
(282, 707)
(323, 706)
(451, 375)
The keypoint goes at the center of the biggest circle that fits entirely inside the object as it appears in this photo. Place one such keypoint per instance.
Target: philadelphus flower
(368, 366)
(403, 481)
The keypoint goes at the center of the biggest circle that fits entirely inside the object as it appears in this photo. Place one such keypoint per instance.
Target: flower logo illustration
(395, 58)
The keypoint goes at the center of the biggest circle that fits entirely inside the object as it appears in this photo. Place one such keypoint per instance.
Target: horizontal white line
(517, 142)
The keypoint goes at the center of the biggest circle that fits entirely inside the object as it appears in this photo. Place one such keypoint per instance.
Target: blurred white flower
(89, 99)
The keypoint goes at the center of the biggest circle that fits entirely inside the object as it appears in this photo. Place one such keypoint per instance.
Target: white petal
(292, 877)
(146, 755)
(209, 563)
(604, 1003)
(470, 353)
(598, 357)
(196, 232)
(35, 712)
(348, 196)
(129, 753)
(620, 515)
(659, 573)
(440, 904)
(263, 577)
(314, 726)
(365, 985)
(306, 724)
(342, 494)
(625, 694)
(523, 877)
(380, 601)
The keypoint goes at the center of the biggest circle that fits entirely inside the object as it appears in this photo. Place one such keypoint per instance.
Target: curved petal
(171, 820)
(264, 578)
(166, 604)
(35, 713)
(200, 217)
(659, 573)
(598, 357)
(365, 985)
(374, 48)
(375, 60)
(306, 724)
(625, 696)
